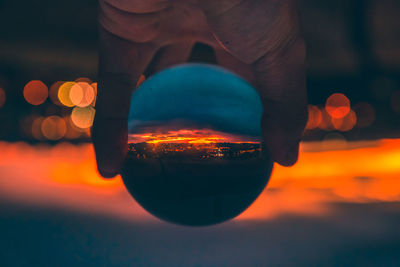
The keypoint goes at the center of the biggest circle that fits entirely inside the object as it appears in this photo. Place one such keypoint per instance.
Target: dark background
(353, 48)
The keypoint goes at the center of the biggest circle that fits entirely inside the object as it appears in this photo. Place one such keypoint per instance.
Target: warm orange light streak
(190, 136)
(65, 176)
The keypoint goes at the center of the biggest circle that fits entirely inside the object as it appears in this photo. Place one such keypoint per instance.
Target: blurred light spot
(365, 114)
(64, 94)
(82, 94)
(337, 105)
(2, 97)
(84, 79)
(83, 117)
(36, 128)
(395, 101)
(53, 92)
(72, 132)
(334, 141)
(94, 86)
(142, 78)
(326, 121)
(314, 117)
(346, 123)
(53, 128)
(36, 92)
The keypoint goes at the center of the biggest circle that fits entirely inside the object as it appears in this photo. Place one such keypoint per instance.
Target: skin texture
(257, 39)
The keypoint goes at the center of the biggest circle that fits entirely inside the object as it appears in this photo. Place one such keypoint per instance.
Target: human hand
(257, 39)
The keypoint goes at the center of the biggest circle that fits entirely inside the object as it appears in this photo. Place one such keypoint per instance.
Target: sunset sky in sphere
(196, 96)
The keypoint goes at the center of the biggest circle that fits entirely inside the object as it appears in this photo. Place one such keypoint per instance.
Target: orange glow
(337, 106)
(64, 94)
(53, 128)
(83, 117)
(364, 172)
(190, 136)
(81, 94)
(65, 176)
(35, 92)
(346, 123)
(314, 117)
(2, 97)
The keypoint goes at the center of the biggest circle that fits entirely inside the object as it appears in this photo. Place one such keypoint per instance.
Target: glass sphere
(195, 154)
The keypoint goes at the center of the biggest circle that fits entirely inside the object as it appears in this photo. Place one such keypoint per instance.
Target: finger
(282, 87)
(168, 56)
(121, 63)
(284, 113)
(228, 61)
(269, 41)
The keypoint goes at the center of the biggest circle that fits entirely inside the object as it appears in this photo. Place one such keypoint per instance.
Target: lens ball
(195, 153)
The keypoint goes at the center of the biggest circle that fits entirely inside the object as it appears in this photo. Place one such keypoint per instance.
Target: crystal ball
(195, 153)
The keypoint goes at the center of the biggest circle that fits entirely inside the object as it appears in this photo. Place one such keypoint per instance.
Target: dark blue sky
(205, 95)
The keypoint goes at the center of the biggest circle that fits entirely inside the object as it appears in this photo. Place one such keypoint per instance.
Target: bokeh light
(314, 117)
(73, 132)
(365, 114)
(82, 94)
(337, 105)
(395, 101)
(94, 85)
(36, 128)
(83, 117)
(346, 123)
(64, 94)
(36, 92)
(83, 79)
(2, 97)
(53, 128)
(326, 121)
(53, 92)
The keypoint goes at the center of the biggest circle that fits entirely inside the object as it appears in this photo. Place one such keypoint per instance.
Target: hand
(257, 39)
